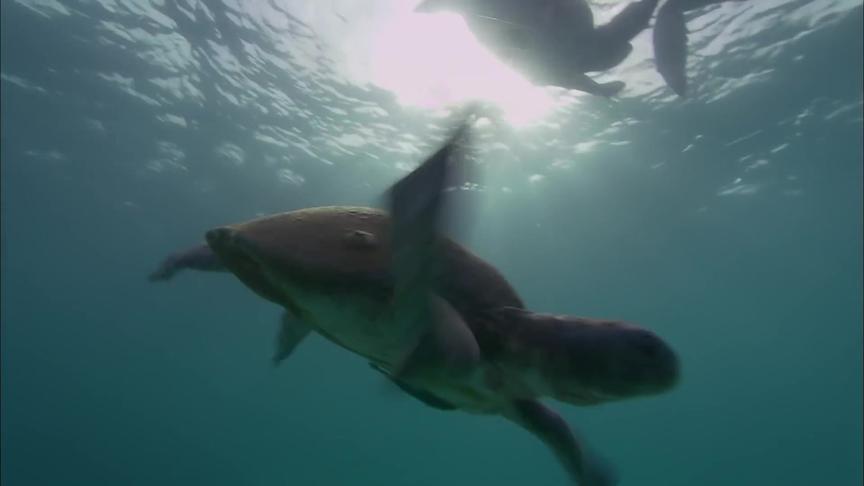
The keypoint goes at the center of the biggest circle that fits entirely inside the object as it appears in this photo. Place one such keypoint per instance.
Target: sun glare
(433, 61)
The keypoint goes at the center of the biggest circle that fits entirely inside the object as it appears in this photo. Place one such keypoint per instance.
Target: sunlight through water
(433, 61)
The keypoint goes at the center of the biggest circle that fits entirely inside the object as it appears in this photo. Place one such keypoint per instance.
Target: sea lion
(553, 42)
(441, 323)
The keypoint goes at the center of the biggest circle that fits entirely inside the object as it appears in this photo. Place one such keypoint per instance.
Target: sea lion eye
(360, 239)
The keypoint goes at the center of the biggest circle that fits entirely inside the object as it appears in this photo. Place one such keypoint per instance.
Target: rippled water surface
(729, 222)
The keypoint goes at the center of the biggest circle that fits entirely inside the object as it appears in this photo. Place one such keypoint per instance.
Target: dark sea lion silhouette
(444, 325)
(553, 42)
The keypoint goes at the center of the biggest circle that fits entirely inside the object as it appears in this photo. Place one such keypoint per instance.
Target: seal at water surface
(437, 320)
(553, 42)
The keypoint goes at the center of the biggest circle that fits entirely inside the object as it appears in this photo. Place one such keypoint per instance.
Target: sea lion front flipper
(291, 332)
(583, 467)
(435, 336)
(446, 347)
(670, 46)
(200, 257)
(629, 22)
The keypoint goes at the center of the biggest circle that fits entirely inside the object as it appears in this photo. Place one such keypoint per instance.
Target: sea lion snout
(243, 258)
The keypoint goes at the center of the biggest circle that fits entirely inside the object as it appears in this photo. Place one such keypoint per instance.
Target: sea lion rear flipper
(422, 395)
(670, 46)
(200, 257)
(629, 22)
(291, 332)
(584, 83)
(584, 468)
(435, 335)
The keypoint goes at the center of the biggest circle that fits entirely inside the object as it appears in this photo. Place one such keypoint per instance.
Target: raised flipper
(629, 22)
(422, 395)
(291, 332)
(670, 46)
(436, 339)
(200, 257)
(584, 468)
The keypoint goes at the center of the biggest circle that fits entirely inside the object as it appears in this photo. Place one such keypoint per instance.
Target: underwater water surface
(729, 222)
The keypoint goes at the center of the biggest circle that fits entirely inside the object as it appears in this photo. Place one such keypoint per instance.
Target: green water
(730, 223)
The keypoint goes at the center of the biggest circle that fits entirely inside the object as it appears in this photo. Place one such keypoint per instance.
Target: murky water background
(729, 222)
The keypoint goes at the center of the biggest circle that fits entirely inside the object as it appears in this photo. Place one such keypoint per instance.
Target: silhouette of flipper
(670, 46)
(670, 41)
(584, 83)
